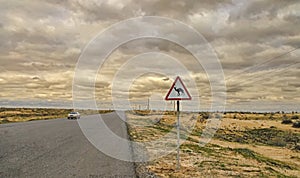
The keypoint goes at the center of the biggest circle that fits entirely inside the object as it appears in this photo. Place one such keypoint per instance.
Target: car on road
(74, 115)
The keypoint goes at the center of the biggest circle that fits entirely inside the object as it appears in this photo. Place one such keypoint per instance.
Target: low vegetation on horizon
(9, 115)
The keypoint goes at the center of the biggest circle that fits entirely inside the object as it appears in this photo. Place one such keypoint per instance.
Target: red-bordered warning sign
(178, 91)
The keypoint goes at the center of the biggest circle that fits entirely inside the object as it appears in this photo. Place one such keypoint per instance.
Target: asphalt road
(58, 148)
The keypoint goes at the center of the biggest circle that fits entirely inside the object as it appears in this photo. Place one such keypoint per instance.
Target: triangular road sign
(178, 91)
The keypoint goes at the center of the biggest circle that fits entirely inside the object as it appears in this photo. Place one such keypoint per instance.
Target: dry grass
(246, 145)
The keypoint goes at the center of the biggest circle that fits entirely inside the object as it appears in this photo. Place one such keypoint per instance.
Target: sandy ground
(218, 158)
(282, 154)
(237, 124)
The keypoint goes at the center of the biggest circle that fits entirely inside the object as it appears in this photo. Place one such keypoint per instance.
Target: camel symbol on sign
(179, 91)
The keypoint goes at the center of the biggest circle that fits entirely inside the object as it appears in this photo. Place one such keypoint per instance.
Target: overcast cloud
(256, 41)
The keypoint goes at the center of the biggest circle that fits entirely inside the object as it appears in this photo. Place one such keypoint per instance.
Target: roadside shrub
(286, 121)
(218, 116)
(277, 142)
(295, 117)
(285, 117)
(4, 121)
(205, 115)
(296, 124)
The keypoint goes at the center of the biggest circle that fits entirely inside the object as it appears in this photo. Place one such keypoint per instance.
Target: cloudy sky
(257, 43)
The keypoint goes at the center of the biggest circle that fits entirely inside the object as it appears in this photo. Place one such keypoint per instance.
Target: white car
(74, 115)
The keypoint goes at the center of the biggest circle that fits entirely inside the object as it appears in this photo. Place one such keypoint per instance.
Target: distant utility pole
(148, 105)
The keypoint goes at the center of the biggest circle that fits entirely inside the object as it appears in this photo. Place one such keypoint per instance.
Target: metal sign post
(178, 92)
(178, 135)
